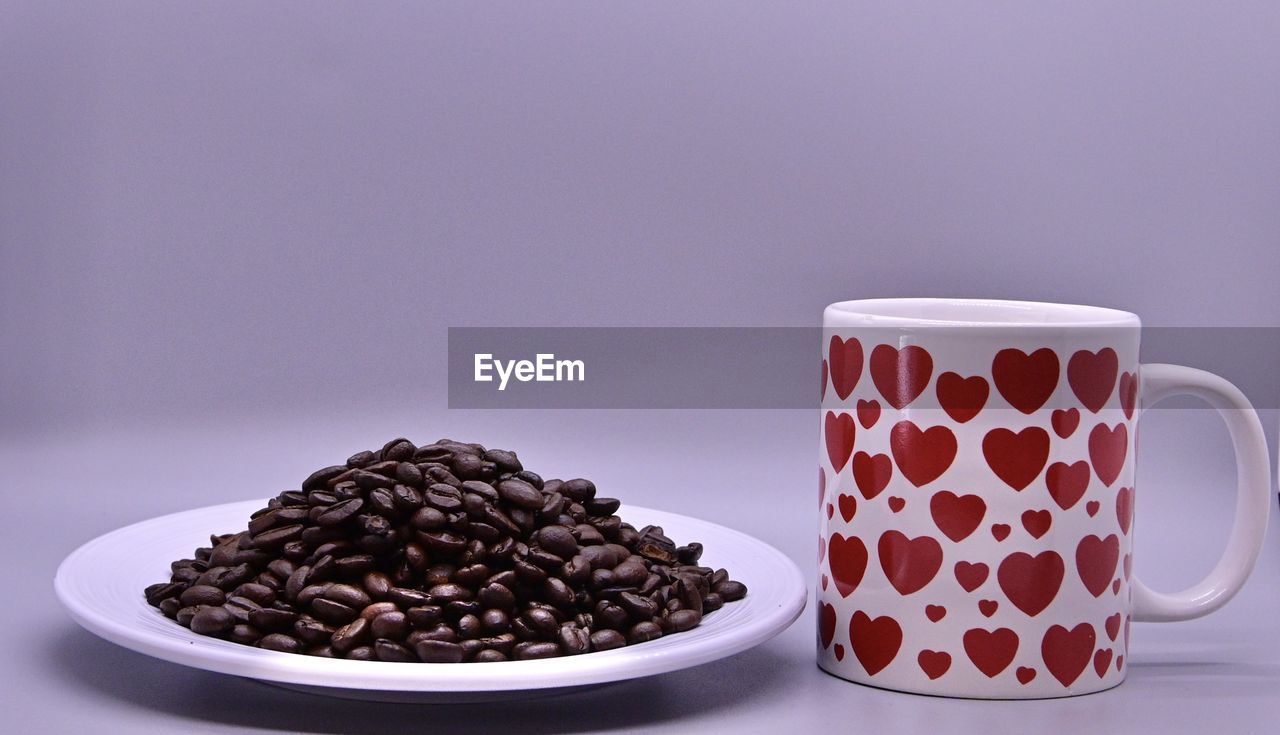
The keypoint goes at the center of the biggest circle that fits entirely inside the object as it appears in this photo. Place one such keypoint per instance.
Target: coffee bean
(334, 613)
(604, 640)
(558, 540)
(393, 625)
(350, 635)
(280, 642)
(730, 591)
(212, 621)
(202, 594)
(520, 494)
(340, 512)
(682, 620)
(573, 640)
(530, 650)
(489, 655)
(386, 650)
(321, 477)
(439, 652)
(579, 490)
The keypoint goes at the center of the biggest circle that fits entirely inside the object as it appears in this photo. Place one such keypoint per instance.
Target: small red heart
(1115, 586)
(1128, 566)
(1126, 632)
(826, 624)
(962, 398)
(1096, 560)
(1016, 457)
(875, 641)
(1025, 381)
(956, 516)
(1037, 522)
(1107, 449)
(1065, 421)
(822, 549)
(824, 381)
(934, 663)
(1067, 652)
(846, 364)
(1102, 661)
(848, 506)
(1026, 675)
(935, 612)
(872, 473)
(1092, 376)
(988, 607)
(848, 562)
(831, 510)
(1092, 507)
(1124, 508)
(922, 455)
(971, 575)
(896, 504)
(822, 486)
(1000, 531)
(1119, 663)
(839, 652)
(908, 563)
(868, 413)
(991, 650)
(901, 375)
(1067, 483)
(839, 430)
(825, 581)
(1128, 393)
(1112, 625)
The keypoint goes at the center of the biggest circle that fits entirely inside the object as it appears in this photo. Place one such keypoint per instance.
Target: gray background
(232, 238)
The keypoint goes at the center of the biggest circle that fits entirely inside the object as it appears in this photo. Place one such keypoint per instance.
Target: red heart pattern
(1026, 381)
(845, 358)
(875, 641)
(1092, 376)
(840, 435)
(1017, 458)
(900, 375)
(962, 398)
(957, 516)
(922, 455)
(1029, 575)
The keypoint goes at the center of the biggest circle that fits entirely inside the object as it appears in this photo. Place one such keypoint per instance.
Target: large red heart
(909, 563)
(1016, 458)
(1102, 661)
(868, 413)
(1096, 560)
(1128, 393)
(1031, 582)
(971, 575)
(848, 506)
(1112, 626)
(934, 663)
(900, 374)
(845, 357)
(991, 650)
(1067, 482)
(1092, 376)
(826, 623)
(875, 642)
(840, 434)
(1067, 652)
(1025, 381)
(962, 398)
(848, 560)
(1124, 508)
(1037, 522)
(871, 473)
(1107, 449)
(922, 456)
(957, 516)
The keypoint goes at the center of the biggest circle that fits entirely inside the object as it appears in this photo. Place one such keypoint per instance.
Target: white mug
(977, 496)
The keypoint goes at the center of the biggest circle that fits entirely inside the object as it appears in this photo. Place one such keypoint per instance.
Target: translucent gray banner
(752, 367)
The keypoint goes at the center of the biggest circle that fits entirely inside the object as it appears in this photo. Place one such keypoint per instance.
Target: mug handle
(1253, 494)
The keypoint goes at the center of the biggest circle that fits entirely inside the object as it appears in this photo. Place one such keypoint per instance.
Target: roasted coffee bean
(530, 650)
(280, 642)
(212, 621)
(520, 494)
(453, 546)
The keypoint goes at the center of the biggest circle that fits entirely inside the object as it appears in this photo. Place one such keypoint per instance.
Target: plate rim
(629, 662)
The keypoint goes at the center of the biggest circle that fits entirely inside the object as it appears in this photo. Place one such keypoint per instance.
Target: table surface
(746, 469)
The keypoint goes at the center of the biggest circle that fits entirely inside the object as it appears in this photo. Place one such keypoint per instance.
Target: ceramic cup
(977, 496)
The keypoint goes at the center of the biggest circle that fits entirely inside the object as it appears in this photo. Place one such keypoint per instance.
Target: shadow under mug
(977, 495)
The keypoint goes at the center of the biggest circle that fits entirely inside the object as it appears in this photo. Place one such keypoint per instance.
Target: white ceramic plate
(101, 586)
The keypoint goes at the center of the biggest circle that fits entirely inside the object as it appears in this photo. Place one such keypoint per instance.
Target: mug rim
(962, 312)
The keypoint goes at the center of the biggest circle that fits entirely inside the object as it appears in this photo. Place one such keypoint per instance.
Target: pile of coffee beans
(443, 553)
